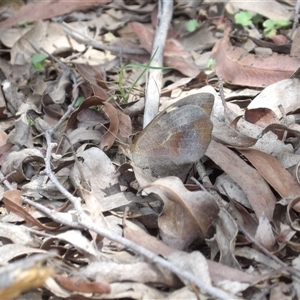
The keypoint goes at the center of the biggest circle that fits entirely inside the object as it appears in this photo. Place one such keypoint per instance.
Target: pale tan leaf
(186, 215)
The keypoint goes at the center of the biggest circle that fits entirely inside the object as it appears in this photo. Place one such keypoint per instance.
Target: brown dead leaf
(240, 68)
(273, 172)
(48, 9)
(257, 190)
(125, 126)
(146, 240)
(261, 116)
(98, 171)
(18, 75)
(78, 284)
(175, 55)
(224, 134)
(3, 112)
(94, 77)
(111, 134)
(243, 217)
(19, 164)
(186, 215)
(112, 113)
(91, 101)
(12, 200)
(14, 98)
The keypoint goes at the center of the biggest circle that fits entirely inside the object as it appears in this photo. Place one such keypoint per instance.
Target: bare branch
(165, 11)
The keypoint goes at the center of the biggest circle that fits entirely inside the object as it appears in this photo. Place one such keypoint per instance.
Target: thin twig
(78, 36)
(165, 11)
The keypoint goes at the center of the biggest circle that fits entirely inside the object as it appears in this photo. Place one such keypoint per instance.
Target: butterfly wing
(178, 136)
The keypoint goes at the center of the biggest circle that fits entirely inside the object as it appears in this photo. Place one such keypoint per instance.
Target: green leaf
(270, 26)
(109, 37)
(211, 63)
(79, 101)
(38, 60)
(243, 18)
(282, 23)
(192, 25)
(30, 122)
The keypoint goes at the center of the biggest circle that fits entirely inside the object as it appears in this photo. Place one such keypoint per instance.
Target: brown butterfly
(175, 139)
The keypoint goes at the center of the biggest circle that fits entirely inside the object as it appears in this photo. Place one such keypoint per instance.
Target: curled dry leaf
(261, 116)
(261, 197)
(237, 68)
(224, 134)
(112, 113)
(186, 215)
(284, 94)
(12, 200)
(19, 163)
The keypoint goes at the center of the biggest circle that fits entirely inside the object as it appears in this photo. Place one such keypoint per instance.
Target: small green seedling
(192, 25)
(211, 63)
(38, 61)
(243, 18)
(109, 37)
(30, 122)
(271, 26)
